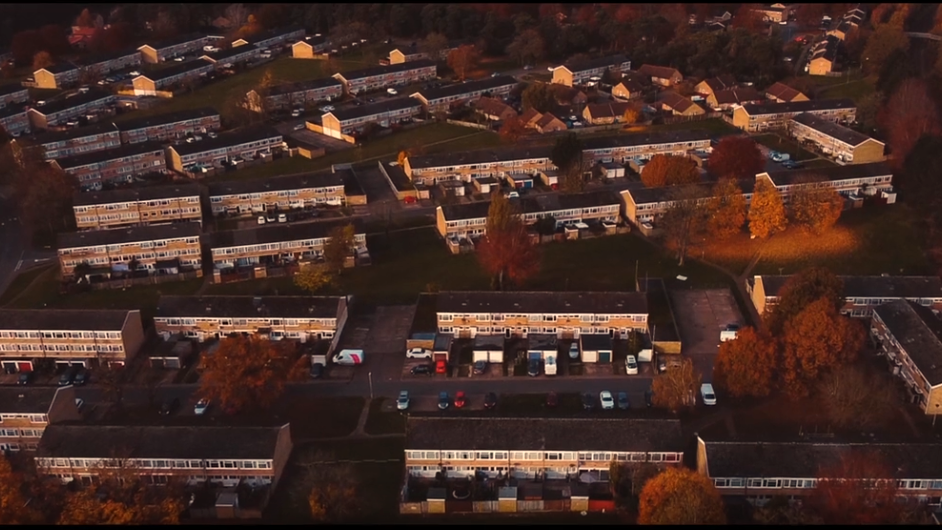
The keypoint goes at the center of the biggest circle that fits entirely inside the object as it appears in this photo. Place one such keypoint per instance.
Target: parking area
(376, 186)
(701, 314)
(306, 136)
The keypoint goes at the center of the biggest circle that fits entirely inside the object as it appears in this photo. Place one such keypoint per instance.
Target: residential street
(14, 254)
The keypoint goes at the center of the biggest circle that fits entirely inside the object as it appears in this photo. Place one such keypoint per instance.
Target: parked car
(81, 377)
(533, 367)
(495, 74)
(606, 399)
(261, 219)
(552, 400)
(392, 91)
(419, 353)
(295, 113)
(201, 407)
(623, 402)
(706, 391)
(480, 367)
(422, 369)
(298, 127)
(403, 402)
(169, 407)
(443, 401)
(460, 400)
(67, 376)
(24, 378)
(588, 401)
(270, 218)
(490, 400)
(631, 365)
(317, 371)
(441, 367)
(211, 134)
(574, 350)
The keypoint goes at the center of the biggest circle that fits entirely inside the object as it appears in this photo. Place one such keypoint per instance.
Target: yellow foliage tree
(816, 208)
(13, 508)
(767, 212)
(313, 278)
(631, 116)
(727, 210)
(680, 496)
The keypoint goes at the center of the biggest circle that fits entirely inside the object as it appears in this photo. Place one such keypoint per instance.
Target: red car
(460, 400)
(441, 367)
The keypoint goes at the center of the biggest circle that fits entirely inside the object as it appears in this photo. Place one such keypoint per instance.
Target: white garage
(596, 348)
(545, 344)
(489, 348)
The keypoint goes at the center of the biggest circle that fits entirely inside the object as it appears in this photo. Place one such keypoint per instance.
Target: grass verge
(22, 282)
(384, 418)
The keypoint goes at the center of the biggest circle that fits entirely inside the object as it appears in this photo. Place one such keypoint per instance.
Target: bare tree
(237, 15)
(856, 398)
(685, 219)
(330, 488)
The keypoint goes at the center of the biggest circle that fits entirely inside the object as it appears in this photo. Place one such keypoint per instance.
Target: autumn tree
(112, 38)
(339, 246)
(856, 398)
(685, 220)
(251, 27)
(54, 39)
(799, 291)
(506, 251)
(881, 45)
(767, 215)
(676, 388)
(744, 366)
(463, 60)
(42, 60)
(512, 130)
(331, 488)
(257, 98)
(85, 19)
(245, 372)
(237, 14)
(120, 497)
(44, 198)
(527, 47)
(736, 157)
(540, 97)
(631, 116)
(816, 340)
(14, 508)
(749, 17)
(314, 278)
(909, 114)
(858, 489)
(568, 155)
(669, 170)
(680, 496)
(814, 207)
(433, 45)
(920, 184)
(727, 210)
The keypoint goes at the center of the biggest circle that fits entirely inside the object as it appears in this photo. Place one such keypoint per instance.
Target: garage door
(589, 356)
(25, 366)
(8, 366)
(496, 357)
(605, 356)
(528, 184)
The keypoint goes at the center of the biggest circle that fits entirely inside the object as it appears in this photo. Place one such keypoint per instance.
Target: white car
(178, 59)
(606, 399)
(79, 403)
(391, 91)
(282, 218)
(299, 127)
(261, 219)
(212, 134)
(295, 113)
(403, 402)
(201, 407)
(631, 365)
(135, 73)
(706, 391)
(419, 353)
(327, 108)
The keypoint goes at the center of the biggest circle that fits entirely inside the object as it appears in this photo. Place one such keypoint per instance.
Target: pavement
(15, 255)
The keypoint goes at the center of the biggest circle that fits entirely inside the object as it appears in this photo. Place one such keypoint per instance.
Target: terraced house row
(291, 95)
(63, 75)
(121, 164)
(344, 123)
(246, 144)
(60, 111)
(26, 412)
(239, 197)
(440, 99)
(766, 116)
(379, 77)
(150, 205)
(149, 84)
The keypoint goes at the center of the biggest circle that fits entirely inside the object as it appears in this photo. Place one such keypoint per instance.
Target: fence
(698, 117)
(469, 124)
(150, 280)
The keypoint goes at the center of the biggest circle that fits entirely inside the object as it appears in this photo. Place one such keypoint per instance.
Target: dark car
(443, 401)
(480, 367)
(81, 377)
(552, 400)
(169, 407)
(622, 401)
(24, 378)
(533, 367)
(317, 370)
(649, 398)
(588, 401)
(67, 376)
(422, 369)
(490, 400)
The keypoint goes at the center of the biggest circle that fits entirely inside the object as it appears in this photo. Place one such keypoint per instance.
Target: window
(721, 482)
(754, 483)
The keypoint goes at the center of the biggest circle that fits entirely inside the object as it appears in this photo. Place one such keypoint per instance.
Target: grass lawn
(384, 418)
(323, 417)
(21, 282)
(282, 166)
(867, 241)
(419, 261)
(283, 70)
(819, 163)
(715, 126)
(784, 145)
(855, 90)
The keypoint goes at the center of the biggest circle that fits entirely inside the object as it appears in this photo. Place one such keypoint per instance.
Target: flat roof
(919, 332)
(599, 302)
(178, 69)
(148, 193)
(380, 107)
(250, 306)
(756, 109)
(834, 130)
(66, 103)
(785, 177)
(132, 234)
(301, 86)
(202, 442)
(870, 286)
(534, 204)
(167, 118)
(599, 62)
(278, 233)
(667, 193)
(108, 154)
(222, 55)
(29, 400)
(488, 83)
(227, 139)
(63, 319)
(49, 137)
(380, 70)
(321, 179)
(544, 434)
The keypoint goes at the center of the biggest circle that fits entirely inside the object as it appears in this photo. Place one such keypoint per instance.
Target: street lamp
(370, 374)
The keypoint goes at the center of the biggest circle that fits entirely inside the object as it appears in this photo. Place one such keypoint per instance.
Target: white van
(549, 368)
(349, 357)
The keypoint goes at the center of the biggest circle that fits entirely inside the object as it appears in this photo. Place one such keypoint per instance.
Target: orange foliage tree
(767, 211)
(512, 130)
(736, 157)
(744, 366)
(42, 60)
(13, 507)
(668, 170)
(799, 291)
(333, 494)
(816, 208)
(909, 114)
(676, 388)
(122, 498)
(860, 488)
(631, 116)
(246, 372)
(680, 496)
(506, 251)
(727, 210)
(463, 59)
(816, 340)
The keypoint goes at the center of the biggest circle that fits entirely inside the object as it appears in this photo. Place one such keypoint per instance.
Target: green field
(855, 90)
(22, 282)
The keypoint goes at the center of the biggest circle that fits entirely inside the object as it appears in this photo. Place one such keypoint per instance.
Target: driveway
(701, 314)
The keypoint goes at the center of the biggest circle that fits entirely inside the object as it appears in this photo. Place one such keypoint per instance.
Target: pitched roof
(480, 156)
(600, 62)
(222, 55)
(647, 138)
(179, 69)
(278, 233)
(614, 109)
(248, 306)
(676, 102)
(202, 442)
(274, 33)
(167, 118)
(381, 70)
(546, 120)
(30, 400)
(549, 434)
(58, 68)
(631, 85)
(492, 106)
(782, 91)
(598, 302)
(919, 332)
(662, 72)
(530, 115)
(182, 39)
(49, 137)
(98, 157)
(667, 193)
(66, 103)
(99, 58)
(133, 234)
(320, 179)
(148, 193)
(785, 177)
(827, 49)
(870, 286)
(488, 83)
(12, 88)
(301, 86)
(834, 130)
(63, 319)
(721, 82)
(373, 109)
(737, 96)
(228, 139)
(534, 204)
(754, 109)
(565, 94)
(807, 459)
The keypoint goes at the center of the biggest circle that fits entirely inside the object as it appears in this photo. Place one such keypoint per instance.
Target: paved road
(14, 253)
